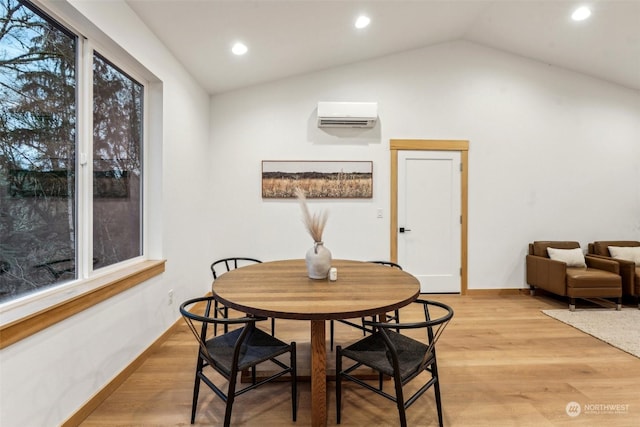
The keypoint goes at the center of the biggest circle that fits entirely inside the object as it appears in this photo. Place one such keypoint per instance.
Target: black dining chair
(398, 356)
(222, 266)
(243, 348)
(395, 317)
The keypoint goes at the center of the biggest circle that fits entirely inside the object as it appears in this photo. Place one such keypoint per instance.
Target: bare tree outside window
(37, 151)
(117, 149)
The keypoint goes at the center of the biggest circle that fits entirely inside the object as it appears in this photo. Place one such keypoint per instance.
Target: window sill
(103, 288)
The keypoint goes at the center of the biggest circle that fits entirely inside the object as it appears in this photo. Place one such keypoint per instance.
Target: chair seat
(591, 278)
(371, 351)
(258, 347)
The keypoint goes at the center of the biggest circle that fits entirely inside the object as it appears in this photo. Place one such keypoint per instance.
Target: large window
(69, 203)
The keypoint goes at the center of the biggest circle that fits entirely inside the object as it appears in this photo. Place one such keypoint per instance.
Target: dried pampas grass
(314, 222)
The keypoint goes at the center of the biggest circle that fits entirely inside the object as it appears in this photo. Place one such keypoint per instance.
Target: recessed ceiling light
(581, 13)
(239, 48)
(362, 21)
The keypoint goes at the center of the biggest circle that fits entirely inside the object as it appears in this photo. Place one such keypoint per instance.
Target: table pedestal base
(318, 374)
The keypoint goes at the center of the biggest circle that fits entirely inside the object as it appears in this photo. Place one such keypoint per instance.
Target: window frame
(90, 287)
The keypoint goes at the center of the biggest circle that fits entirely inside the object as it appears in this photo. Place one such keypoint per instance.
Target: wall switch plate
(379, 213)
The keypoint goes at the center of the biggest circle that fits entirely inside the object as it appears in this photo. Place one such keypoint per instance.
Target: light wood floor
(502, 363)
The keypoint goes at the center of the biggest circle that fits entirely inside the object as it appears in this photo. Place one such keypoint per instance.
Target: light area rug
(621, 329)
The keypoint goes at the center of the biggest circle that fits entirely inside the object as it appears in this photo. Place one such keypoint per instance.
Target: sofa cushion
(571, 257)
(629, 253)
(592, 278)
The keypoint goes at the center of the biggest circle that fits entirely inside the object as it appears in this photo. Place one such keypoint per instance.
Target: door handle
(402, 229)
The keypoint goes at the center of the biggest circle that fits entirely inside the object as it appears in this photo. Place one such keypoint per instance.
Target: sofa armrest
(602, 263)
(547, 274)
(627, 272)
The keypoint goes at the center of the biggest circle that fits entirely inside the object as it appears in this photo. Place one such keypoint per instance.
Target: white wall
(553, 155)
(49, 376)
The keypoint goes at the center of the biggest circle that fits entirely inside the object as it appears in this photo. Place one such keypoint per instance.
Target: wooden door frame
(462, 146)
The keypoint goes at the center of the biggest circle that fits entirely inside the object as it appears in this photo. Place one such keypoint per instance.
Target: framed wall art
(318, 179)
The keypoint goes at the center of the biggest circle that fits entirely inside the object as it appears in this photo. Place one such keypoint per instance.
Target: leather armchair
(600, 279)
(629, 271)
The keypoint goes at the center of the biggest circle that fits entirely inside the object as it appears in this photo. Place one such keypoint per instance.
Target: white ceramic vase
(318, 261)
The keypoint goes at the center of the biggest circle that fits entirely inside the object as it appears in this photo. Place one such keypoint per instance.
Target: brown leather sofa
(629, 271)
(598, 280)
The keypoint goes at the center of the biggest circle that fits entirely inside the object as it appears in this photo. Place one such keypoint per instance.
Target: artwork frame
(319, 179)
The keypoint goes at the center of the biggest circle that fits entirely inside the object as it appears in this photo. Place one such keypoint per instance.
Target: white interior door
(429, 218)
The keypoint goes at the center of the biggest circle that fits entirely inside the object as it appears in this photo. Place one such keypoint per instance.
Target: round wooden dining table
(282, 289)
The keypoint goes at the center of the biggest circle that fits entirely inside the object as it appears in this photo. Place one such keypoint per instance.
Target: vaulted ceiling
(291, 37)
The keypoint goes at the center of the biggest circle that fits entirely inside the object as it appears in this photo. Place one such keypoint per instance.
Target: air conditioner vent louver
(347, 114)
(344, 123)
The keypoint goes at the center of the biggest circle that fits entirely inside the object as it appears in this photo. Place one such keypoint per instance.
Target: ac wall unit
(347, 114)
